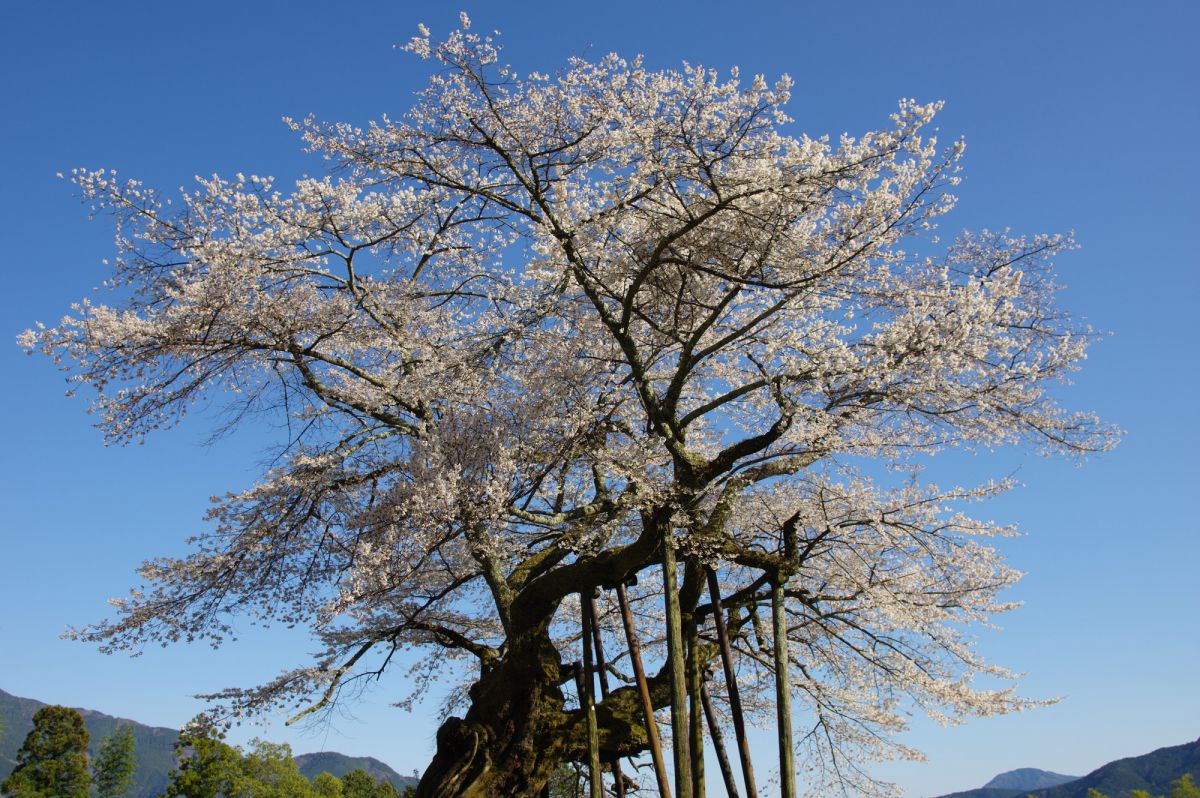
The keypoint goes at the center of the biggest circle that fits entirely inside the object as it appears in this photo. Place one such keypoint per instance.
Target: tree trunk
(511, 739)
(517, 730)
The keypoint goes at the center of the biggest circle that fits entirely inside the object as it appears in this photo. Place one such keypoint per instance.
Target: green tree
(269, 771)
(207, 767)
(360, 784)
(1184, 787)
(327, 785)
(115, 764)
(52, 762)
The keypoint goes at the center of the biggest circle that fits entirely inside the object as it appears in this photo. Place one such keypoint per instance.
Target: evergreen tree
(115, 764)
(52, 762)
(207, 767)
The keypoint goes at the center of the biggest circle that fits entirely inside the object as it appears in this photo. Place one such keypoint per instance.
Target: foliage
(327, 785)
(268, 770)
(544, 331)
(360, 784)
(115, 765)
(1183, 787)
(208, 767)
(52, 762)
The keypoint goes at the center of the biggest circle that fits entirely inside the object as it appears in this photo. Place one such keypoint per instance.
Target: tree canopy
(52, 762)
(115, 764)
(548, 335)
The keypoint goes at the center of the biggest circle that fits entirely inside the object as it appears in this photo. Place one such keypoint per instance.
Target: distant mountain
(1028, 779)
(1015, 783)
(340, 764)
(985, 792)
(1152, 772)
(155, 748)
(155, 753)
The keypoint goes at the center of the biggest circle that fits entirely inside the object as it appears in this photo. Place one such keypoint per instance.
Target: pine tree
(52, 762)
(115, 764)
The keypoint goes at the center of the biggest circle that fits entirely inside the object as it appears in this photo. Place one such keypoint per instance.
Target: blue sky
(1077, 115)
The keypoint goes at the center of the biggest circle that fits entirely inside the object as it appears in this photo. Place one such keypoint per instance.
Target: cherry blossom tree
(548, 336)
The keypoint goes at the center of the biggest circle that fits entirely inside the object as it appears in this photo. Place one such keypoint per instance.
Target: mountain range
(155, 748)
(1152, 772)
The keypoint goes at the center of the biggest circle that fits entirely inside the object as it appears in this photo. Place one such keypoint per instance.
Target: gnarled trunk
(512, 737)
(517, 730)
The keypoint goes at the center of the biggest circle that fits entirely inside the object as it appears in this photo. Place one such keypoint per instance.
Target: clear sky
(1077, 115)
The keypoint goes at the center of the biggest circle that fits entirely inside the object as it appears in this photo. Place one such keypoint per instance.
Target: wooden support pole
(679, 712)
(602, 672)
(586, 685)
(695, 683)
(635, 659)
(731, 685)
(783, 692)
(714, 731)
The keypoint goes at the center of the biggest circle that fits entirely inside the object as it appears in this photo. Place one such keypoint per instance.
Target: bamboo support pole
(731, 685)
(635, 659)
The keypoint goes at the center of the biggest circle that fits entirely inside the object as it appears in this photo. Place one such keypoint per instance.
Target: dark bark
(518, 730)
